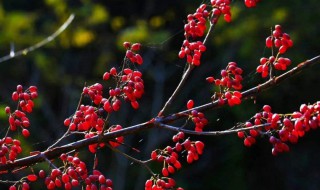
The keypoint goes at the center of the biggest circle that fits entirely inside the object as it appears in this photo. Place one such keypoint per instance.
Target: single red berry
(148, 183)
(135, 104)
(136, 47)
(32, 177)
(154, 155)
(15, 96)
(241, 134)
(25, 186)
(67, 122)
(106, 76)
(165, 172)
(227, 17)
(25, 133)
(42, 174)
(247, 142)
(139, 59)
(74, 182)
(283, 49)
(171, 169)
(126, 45)
(269, 42)
(190, 104)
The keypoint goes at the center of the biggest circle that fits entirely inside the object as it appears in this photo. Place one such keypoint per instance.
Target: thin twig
(184, 77)
(68, 131)
(48, 39)
(8, 182)
(210, 133)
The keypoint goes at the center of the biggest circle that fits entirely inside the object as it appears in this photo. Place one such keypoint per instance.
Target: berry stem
(143, 163)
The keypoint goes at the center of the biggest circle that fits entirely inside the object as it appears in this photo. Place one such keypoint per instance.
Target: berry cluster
(25, 98)
(280, 63)
(73, 173)
(234, 98)
(84, 119)
(231, 78)
(196, 25)
(283, 128)
(18, 118)
(131, 52)
(198, 118)
(249, 138)
(279, 39)
(130, 87)
(9, 149)
(282, 41)
(221, 7)
(193, 51)
(169, 156)
(94, 92)
(156, 183)
(251, 3)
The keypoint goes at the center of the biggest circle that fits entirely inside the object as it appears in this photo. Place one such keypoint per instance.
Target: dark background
(92, 45)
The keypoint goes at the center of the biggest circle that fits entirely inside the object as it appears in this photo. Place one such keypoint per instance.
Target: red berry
(241, 134)
(135, 104)
(106, 76)
(136, 47)
(190, 104)
(165, 172)
(32, 177)
(15, 96)
(42, 174)
(139, 59)
(227, 17)
(126, 45)
(269, 42)
(25, 133)
(25, 186)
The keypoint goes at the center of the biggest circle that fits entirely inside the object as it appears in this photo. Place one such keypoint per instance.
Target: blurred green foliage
(92, 45)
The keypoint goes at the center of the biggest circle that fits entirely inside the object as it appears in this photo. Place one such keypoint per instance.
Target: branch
(210, 133)
(57, 151)
(25, 51)
(248, 93)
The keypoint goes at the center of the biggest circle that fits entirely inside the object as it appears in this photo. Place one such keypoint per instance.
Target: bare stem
(8, 182)
(143, 163)
(210, 133)
(39, 44)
